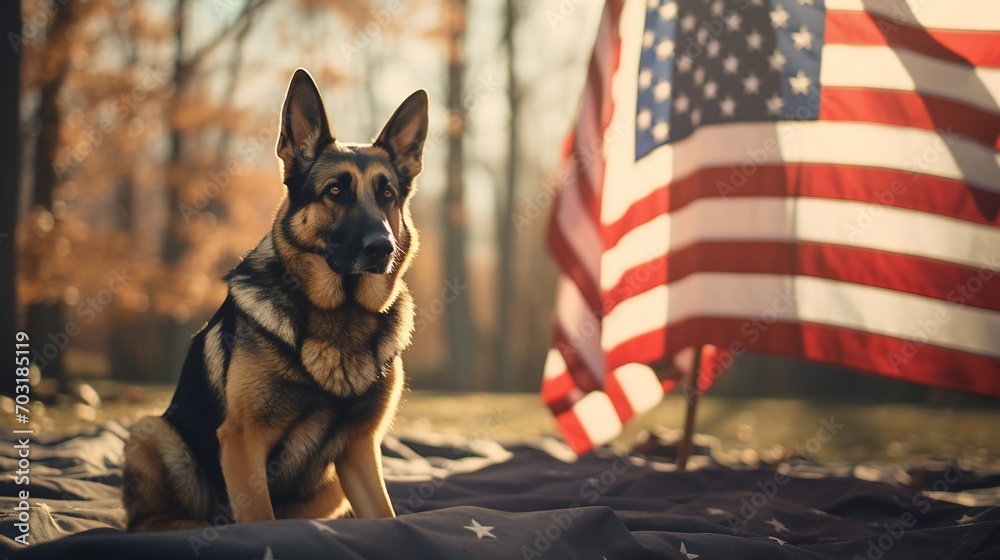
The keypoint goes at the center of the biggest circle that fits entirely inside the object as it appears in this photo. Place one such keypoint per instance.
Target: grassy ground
(769, 428)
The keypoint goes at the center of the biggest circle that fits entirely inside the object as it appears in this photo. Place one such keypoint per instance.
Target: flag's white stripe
(977, 15)
(555, 365)
(580, 325)
(769, 298)
(882, 67)
(746, 146)
(819, 220)
(579, 230)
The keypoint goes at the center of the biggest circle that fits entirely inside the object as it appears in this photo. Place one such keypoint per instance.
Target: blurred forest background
(138, 166)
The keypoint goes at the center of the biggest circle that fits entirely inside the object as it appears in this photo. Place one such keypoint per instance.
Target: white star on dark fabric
(323, 528)
(685, 552)
(696, 116)
(713, 48)
(661, 91)
(779, 527)
(727, 107)
(711, 89)
(645, 78)
(965, 519)
(779, 17)
(667, 11)
(777, 60)
(647, 38)
(699, 76)
(684, 63)
(688, 22)
(718, 7)
(644, 119)
(268, 554)
(681, 104)
(775, 104)
(780, 542)
(730, 64)
(480, 530)
(733, 22)
(661, 131)
(751, 84)
(800, 83)
(755, 40)
(803, 39)
(665, 49)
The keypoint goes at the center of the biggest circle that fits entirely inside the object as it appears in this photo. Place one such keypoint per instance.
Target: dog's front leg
(360, 469)
(243, 456)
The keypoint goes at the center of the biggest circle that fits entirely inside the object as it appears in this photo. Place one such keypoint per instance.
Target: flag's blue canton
(713, 61)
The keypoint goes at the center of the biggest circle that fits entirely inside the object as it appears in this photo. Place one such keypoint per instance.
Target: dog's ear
(305, 129)
(403, 136)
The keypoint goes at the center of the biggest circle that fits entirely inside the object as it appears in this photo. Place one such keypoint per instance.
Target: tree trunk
(505, 379)
(45, 319)
(461, 331)
(10, 166)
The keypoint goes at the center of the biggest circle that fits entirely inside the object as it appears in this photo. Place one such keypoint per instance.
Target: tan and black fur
(287, 392)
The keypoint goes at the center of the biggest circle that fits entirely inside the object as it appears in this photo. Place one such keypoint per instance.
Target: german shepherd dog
(286, 393)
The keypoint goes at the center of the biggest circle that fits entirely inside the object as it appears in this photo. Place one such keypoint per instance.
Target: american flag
(795, 177)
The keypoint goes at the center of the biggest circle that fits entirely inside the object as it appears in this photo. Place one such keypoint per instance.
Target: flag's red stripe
(567, 259)
(975, 48)
(913, 191)
(885, 355)
(574, 433)
(893, 271)
(908, 108)
(582, 376)
(556, 388)
(618, 399)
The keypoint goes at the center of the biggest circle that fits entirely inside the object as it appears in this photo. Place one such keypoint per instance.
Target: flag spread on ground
(796, 177)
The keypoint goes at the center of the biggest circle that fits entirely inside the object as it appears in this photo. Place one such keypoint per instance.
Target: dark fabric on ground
(525, 505)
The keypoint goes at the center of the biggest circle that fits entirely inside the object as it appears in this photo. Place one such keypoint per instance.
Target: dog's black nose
(376, 245)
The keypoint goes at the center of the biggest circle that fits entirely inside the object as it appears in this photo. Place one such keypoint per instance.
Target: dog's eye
(387, 194)
(334, 190)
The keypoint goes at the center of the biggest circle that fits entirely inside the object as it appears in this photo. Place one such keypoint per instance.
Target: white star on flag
(644, 119)
(661, 131)
(699, 76)
(775, 104)
(778, 525)
(696, 116)
(733, 22)
(685, 552)
(727, 106)
(668, 11)
(323, 528)
(684, 63)
(755, 40)
(800, 83)
(681, 104)
(662, 91)
(718, 7)
(803, 39)
(688, 23)
(645, 78)
(713, 48)
(777, 60)
(480, 530)
(751, 84)
(665, 49)
(779, 17)
(730, 64)
(711, 88)
(647, 38)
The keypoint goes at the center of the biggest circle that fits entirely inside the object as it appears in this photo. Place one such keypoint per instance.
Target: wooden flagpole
(692, 395)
